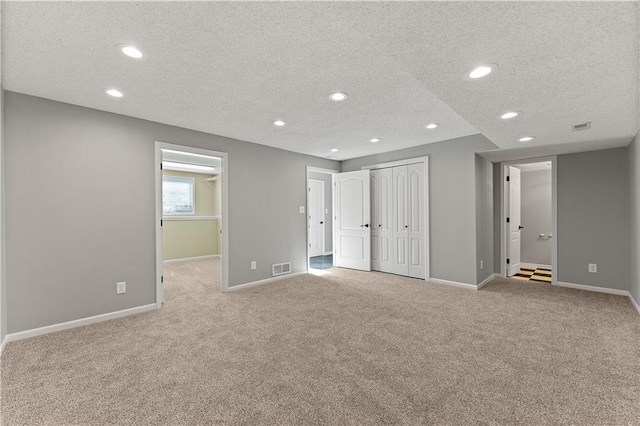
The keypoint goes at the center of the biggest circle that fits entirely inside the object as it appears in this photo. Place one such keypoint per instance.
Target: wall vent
(583, 126)
(280, 268)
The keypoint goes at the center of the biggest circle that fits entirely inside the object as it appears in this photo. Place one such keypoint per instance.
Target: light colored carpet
(344, 348)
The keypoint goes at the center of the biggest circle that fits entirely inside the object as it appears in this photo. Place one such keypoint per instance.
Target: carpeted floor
(344, 348)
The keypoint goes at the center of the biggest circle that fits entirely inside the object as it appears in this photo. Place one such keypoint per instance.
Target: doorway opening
(319, 219)
(191, 203)
(529, 211)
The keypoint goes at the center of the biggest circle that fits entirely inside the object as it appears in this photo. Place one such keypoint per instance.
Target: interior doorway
(529, 211)
(320, 233)
(191, 205)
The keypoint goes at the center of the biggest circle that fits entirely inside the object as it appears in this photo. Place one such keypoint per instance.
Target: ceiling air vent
(280, 268)
(581, 127)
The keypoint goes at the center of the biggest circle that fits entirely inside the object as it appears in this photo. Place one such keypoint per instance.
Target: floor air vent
(281, 268)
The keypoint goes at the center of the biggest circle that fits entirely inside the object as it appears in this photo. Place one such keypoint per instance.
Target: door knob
(520, 227)
(380, 226)
(366, 225)
(321, 223)
(406, 226)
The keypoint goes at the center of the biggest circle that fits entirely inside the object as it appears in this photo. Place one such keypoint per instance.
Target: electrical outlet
(253, 265)
(301, 209)
(121, 287)
(482, 264)
(593, 267)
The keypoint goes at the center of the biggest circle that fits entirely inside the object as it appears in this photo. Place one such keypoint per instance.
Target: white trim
(200, 218)
(186, 259)
(427, 228)
(554, 212)
(78, 323)
(306, 222)
(453, 284)
(593, 288)
(535, 265)
(634, 303)
(327, 253)
(265, 281)
(397, 163)
(486, 281)
(4, 344)
(224, 218)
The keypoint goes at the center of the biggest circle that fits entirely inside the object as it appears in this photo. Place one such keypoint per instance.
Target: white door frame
(306, 183)
(425, 161)
(224, 228)
(504, 235)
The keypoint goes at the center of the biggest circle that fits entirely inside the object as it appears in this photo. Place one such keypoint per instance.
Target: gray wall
(452, 202)
(3, 269)
(484, 218)
(328, 205)
(497, 183)
(536, 217)
(634, 187)
(593, 218)
(67, 249)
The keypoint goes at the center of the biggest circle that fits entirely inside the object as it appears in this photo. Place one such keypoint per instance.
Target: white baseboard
(77, 323)
(486, 281)
(4, 343)
(594, 288)
(453, 283)
(265, 281)
(186, 259)
(535, 265)
(634, 303)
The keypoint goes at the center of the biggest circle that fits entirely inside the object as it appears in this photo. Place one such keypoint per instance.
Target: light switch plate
(593, 267)
(301, 209)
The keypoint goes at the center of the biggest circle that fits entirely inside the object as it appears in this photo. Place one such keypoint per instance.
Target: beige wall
(193, 238)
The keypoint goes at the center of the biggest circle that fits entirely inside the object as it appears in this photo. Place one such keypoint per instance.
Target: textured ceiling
(233, 68)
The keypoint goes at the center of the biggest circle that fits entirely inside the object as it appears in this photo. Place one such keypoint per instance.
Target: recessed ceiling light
(130, 51)
(279, 123)
(115, 93)
(509, 114)
(431, 126)
(482, 71)
(338, 96)
(374, 140)
(526, 139)
(334, 150)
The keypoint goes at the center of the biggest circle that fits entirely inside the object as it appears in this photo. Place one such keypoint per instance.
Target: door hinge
(508, 260)
(160, 222)
(160, 166)
(508, 178)
(508, 220)
(162, 278)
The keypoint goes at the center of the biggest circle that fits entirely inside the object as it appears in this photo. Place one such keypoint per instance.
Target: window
(178, 195)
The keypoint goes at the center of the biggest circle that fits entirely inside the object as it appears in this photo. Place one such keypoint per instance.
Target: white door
(352, 220)
(381, 217)
(514, 225)
(400, 221)
(415, 213)
(316, 217)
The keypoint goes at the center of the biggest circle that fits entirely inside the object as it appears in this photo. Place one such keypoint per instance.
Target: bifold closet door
(400, 221)
(381, 217)
(416, 234)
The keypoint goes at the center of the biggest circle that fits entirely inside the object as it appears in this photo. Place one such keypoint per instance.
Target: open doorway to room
(191, 204)
(529, 212)
(319, 219)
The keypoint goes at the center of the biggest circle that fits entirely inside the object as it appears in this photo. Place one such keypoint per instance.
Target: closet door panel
(375, 220)
(416, 225)
(400, 220)
(385, 230)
